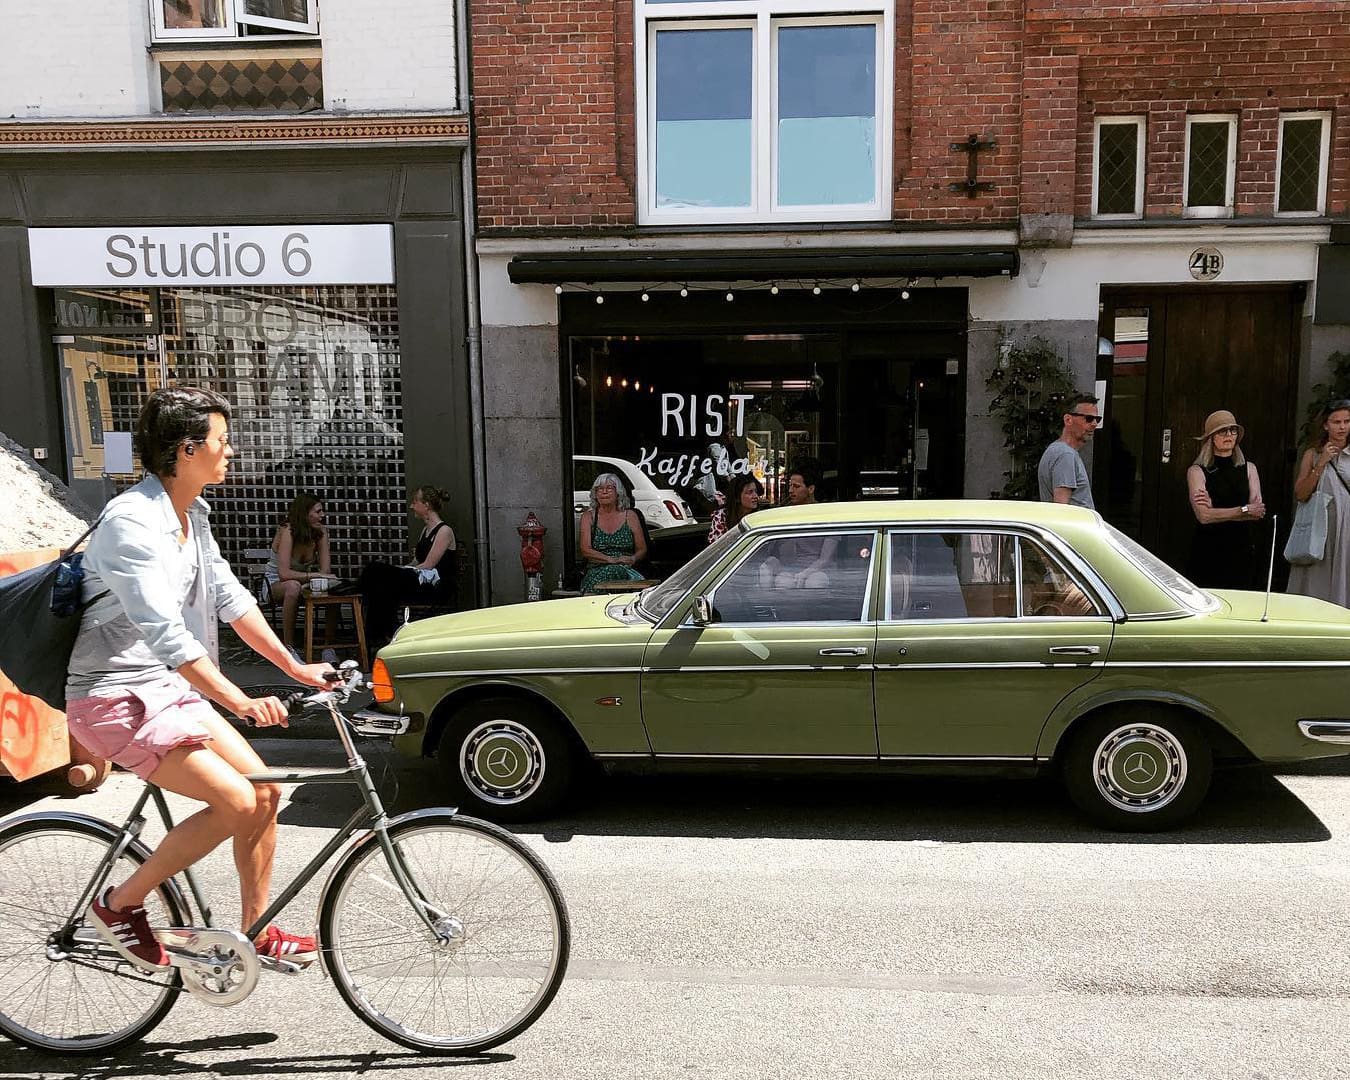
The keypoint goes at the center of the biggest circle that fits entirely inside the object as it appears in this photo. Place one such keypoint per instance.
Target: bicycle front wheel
(499, 955)
(61, 988)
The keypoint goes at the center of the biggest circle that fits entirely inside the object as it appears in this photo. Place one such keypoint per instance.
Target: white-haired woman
(611, 535)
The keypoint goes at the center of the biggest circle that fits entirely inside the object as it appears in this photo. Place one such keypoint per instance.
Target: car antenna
(1270, 571)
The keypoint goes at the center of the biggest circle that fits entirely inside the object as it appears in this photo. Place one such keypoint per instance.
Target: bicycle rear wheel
(505, 926)
(61, 988)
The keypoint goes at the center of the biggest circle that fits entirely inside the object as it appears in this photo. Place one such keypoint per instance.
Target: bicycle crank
(219, 967)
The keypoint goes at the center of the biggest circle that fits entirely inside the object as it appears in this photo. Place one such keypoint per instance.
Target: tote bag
(40, 613)
(1307, 542)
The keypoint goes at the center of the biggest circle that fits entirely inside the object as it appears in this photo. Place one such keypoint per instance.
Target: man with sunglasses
(1062, 475)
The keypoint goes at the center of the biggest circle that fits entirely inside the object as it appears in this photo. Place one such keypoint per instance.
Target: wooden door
(1201, 349)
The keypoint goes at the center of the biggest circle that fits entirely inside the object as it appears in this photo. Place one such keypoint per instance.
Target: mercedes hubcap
(502, 761)
(1140, 768)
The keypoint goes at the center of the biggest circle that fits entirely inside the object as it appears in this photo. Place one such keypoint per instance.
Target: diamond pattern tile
(266, 83)
(1300, 165)
(1117, 164)
(1207, 182)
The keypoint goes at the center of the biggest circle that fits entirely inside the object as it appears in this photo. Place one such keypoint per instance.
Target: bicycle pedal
(282, 967)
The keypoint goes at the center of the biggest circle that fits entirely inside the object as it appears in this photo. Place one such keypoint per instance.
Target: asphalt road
(855, 928)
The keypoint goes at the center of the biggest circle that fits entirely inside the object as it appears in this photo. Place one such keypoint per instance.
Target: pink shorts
(117, 728)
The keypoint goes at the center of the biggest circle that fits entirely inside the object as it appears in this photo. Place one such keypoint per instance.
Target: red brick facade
(554, 102)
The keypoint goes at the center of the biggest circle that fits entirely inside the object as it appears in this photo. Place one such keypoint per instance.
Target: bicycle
(473, 959)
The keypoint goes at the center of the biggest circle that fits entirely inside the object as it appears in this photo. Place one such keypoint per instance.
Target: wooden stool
(334, 602)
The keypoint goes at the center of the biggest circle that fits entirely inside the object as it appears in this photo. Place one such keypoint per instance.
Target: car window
(1047, 588)
(1189, 596)
(952, 575)
(585, 472)
(656, 603)
(804, 577)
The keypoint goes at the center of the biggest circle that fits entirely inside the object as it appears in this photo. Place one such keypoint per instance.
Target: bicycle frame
(369, 817)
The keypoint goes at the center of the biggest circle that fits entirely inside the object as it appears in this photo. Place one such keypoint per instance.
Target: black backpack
(40, 613)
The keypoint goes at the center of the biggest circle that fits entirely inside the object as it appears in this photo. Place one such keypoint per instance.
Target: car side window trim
(866, 611)
(1108, 608)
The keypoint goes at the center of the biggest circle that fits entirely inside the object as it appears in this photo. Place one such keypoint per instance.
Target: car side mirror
(701, 612)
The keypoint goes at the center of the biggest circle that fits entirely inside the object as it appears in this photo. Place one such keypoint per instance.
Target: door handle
(852, 650)
(1074, 650)
(1167, 445)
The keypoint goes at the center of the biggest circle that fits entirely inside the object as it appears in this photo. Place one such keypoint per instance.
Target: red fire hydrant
(532, 555)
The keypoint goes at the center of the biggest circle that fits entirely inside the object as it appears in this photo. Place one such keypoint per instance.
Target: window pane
(1300, 165)
(290, 10)
(827, 122)
(703, 136)
(1207, 184)
(952, 576)
(1048, 590)
(193, 14)
(815, 577)
(1117, 168)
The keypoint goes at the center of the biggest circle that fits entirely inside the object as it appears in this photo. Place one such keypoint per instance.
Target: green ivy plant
(1336, 389)
(1030, 387)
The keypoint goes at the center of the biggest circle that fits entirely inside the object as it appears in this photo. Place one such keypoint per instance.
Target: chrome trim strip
(1229, 664)
(927, 759)
(1038, 665)
(767, 757)
(520, 671)
(700, 668)
(1159, 616)
(937, 759)
(1327, 731)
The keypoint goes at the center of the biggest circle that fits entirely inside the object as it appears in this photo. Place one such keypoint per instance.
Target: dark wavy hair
(738, 484)
(434, 497)
(297, 517)
(172, 417)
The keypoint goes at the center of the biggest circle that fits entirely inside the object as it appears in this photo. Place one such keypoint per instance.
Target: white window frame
(1324, 157)
(1141, 145)
(1230, 173)
(235, 20)
(763, 17)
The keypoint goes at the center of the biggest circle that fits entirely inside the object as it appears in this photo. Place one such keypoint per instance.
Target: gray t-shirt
(1061, 467)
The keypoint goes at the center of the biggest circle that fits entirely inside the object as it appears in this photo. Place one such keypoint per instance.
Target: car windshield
(655, 603)
(1188, 595)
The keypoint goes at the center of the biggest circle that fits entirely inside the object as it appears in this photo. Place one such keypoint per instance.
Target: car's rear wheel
(1138, 770)
(506, 759)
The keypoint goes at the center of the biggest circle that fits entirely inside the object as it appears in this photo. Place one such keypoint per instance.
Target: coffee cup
(318, 585)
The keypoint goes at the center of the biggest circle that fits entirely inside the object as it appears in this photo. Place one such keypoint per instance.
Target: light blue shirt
(163, 598)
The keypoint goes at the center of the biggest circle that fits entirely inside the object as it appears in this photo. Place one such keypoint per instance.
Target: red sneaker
(279, 945)
(128, 932)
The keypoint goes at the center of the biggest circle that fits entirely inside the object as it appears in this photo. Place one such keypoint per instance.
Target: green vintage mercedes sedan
(908, 635)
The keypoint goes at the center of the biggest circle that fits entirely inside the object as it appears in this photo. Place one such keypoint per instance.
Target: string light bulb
(557, 290)
(904, 294)
(609, 380)
(815, 290)
(856, 286)
(637, 385)
(623, 383)
(684, 291)
(645, 298)
(599, 299)
(730, 297)
(773, 289)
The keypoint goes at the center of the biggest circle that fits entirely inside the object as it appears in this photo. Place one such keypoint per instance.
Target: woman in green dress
(611, 535)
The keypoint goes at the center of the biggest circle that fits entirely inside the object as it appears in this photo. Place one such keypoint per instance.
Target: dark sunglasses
(1087, 416)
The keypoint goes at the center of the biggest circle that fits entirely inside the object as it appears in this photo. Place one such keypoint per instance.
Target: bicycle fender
(358, 844)
(98, 825)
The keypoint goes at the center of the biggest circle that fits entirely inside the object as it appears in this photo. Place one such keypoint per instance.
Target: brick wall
(87, 61)
(1173, 58)
(554, 100)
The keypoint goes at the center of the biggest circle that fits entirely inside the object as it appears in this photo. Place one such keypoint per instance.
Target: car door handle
(1074, 650)
(852, 650)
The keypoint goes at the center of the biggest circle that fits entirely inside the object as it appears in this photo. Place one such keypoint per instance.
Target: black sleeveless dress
(1223, 555)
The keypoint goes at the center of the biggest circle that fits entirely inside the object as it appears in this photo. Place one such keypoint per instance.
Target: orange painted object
(33, 736)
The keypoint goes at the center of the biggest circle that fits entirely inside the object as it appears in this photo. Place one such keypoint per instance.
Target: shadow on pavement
(1245, 806)
(172, 1059)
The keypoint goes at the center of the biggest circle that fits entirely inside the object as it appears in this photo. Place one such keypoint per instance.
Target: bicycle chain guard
(219, 967)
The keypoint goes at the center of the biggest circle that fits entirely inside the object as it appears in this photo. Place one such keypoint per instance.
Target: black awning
(596, 267)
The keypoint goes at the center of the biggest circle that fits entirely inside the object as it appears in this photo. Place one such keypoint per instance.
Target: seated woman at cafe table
(300, 554)
(611, 536)
(428, 579)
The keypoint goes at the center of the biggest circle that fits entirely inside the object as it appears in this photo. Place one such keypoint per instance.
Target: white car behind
(662, 507)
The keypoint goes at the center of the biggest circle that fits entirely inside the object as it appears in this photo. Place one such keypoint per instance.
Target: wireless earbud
(189, 449)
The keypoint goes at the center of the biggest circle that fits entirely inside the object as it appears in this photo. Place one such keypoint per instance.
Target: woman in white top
(1324, 467)
(300, 553)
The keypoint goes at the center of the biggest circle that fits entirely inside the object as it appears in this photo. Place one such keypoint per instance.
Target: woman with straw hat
(1226, 499)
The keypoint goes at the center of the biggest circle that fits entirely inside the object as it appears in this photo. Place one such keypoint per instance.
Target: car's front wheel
(1140, 770)
(505, 759)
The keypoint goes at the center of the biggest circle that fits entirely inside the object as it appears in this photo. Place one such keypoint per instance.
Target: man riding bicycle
(145, 661)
